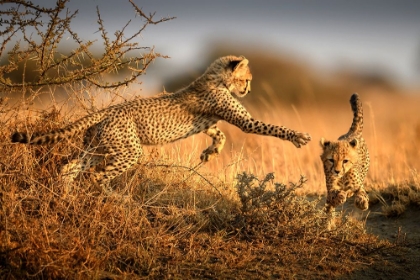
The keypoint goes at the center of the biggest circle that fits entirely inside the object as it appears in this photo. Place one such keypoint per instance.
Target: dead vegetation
(41, 31)
(396, 198)
(164, 221)
(169, 218)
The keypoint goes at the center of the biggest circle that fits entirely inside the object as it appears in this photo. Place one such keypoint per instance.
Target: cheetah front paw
(337, 197)
(208, 154)
(300, 139)
(362, 201)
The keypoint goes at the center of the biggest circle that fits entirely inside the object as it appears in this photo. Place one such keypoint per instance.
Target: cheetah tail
(40, 139)
(52, 137)
(357, 108)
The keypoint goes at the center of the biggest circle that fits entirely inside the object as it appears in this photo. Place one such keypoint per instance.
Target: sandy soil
(401, 262)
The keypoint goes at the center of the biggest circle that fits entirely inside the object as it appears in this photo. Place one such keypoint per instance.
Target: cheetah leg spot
(122, 148)
(216, 147)
(114, 166)
(208, 154)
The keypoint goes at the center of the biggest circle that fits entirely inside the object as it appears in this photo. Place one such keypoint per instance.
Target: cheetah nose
(337, 171)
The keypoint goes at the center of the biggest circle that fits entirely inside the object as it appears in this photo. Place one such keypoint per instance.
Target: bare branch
(150, 17)
(44, 63)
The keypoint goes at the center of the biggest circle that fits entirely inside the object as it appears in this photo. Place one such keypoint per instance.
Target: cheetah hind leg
(68, 173)
(114, 166)
(216, 147)
(70, 170)
(122, 148)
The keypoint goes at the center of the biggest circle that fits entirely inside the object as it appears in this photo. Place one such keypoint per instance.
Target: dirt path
(403, 262)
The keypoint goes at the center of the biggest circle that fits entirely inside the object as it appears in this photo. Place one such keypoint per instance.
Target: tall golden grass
(172, 218)
(169, 219)
(391, 130)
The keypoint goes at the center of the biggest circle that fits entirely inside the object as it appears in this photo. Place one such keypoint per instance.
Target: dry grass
(169, 218)
(396, 198)
(391, 132)
(166, 219)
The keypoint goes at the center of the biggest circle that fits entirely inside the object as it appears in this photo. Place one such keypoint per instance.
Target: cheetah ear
(353, 143)
(236, 65)
(324, 143)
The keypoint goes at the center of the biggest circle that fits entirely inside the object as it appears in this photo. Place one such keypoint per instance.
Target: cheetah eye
(345, 161)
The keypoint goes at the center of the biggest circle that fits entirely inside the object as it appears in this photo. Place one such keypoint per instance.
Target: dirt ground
(402, 262)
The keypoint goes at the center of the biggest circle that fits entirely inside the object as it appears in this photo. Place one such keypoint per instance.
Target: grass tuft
(172, 218)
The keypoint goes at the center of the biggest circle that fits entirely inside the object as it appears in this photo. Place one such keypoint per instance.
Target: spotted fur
(346, 163)
(117, 133)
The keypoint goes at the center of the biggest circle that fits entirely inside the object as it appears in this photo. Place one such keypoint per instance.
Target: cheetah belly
(162, 132)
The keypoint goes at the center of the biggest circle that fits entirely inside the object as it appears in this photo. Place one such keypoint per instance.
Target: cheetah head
(338, 157)
(237, 75)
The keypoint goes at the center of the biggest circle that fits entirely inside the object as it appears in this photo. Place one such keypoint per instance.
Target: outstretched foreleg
(234, 113)
(257, 127)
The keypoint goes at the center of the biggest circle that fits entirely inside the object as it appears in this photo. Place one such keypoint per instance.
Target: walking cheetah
(346, 163)
(116, 133)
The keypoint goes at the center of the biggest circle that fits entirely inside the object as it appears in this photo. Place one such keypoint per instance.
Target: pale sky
(380, 34)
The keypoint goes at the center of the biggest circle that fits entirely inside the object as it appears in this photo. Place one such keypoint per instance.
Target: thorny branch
(32, 35)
